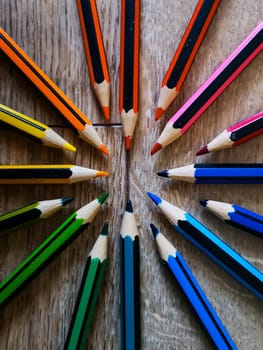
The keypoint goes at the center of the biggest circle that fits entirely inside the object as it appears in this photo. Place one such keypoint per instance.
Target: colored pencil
(49, 249)
(194, 293)
(185, 53)
(31, 213)
(202, 173)
(88, 294)
(208, 92)
(130, 281)
(236, 216)
(236, 134)
(33, 128)
(51, 91)
(129, 67)
(95, 53)
(46, 174)
(213, 246)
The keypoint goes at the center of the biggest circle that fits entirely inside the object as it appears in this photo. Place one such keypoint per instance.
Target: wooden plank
(49, 32)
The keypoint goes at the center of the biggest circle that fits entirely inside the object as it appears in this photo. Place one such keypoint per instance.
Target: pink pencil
(236, 134)
(211, 89)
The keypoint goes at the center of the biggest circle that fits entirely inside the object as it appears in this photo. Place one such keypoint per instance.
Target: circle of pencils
(212, 88)
(212, 246)
(192, 290)
(49, 249)
(202, 173)
(33, 128)
(236, 134)
(88, 293)
(47, 174)
(51, 91)
(185, 54)
(31, 213)
(236, 216)
(95, 53)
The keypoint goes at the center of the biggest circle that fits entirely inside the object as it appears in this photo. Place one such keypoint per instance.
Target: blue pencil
(217, 173)
(213, 246)
(193, 292)
(237, 216)
(129, 281)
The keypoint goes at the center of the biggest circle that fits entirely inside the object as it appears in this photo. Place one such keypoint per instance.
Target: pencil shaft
(95, 53)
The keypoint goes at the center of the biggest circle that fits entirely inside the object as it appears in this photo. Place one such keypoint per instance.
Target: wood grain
(49, 32)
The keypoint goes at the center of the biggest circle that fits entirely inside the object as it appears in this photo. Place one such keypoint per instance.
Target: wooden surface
(49, 32)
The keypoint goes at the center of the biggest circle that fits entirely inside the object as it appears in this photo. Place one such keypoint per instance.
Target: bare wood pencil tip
(203, 150)
(156, 147)
(158, 113)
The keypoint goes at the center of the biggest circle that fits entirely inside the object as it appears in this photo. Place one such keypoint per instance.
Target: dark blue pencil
(193, 292)
(237, 216)
(129, 281)
(212, 245)
(217, 173)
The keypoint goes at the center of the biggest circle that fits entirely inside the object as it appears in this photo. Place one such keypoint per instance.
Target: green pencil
(49, 249)
(31, 213)
(88, 294)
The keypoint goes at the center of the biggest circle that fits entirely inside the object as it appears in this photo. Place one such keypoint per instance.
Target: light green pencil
(49, 249)
(88, 294)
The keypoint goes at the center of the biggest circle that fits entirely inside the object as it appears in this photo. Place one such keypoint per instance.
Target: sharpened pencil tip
(158, 113)
(106, 112)
(163, 173)
(104, 231)
(104, 149)
(157, 200)
(203, 150)
(69, 147)
(128, 140)
(156, 147)
(66, 200)
(203, 202)
(155, 230)
(102, 173)
(129, 206)
(102, 197)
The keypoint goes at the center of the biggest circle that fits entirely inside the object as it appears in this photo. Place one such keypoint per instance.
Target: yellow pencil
(29, 126)
(46, 174)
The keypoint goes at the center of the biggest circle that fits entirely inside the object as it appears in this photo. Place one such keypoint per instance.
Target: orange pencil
(52, 92)
(95, 53)
(185, 53)
(129, 67)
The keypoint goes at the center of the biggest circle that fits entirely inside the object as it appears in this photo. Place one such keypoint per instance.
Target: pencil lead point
(69, 147)
(104, 231)
(157, 200)
(158, 113)
(102, 173)
(66, 200)
(155, 230)
(102, 197)
(156, 147)
(128, 140)
(129, 206)
(203, 150)
(106, 112)
(203, 202)
(104, 149)
(163, 173)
